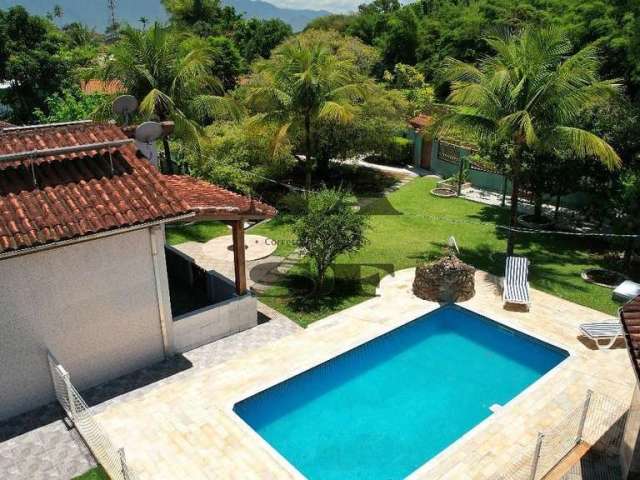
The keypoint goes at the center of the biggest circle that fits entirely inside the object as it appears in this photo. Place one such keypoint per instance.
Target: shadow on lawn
(343, 283)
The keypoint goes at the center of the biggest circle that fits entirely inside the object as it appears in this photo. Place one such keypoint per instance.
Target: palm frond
(585, 144)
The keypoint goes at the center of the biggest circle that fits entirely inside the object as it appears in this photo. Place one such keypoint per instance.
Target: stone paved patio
(187, 430)
(39, 445)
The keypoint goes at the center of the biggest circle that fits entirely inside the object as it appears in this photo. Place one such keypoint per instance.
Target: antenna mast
(112, 9)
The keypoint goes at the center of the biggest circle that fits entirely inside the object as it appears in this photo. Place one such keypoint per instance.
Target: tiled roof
(630, 317)
(210, 200)
(77, 194)
(421, 121)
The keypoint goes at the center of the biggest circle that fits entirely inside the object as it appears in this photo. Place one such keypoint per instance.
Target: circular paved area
(256, 247)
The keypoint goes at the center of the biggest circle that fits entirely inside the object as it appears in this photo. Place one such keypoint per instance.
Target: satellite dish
(125, 105)
(146, 134)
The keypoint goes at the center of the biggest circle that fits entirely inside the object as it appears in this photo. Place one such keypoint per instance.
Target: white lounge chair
(603, 331)
(515, 285)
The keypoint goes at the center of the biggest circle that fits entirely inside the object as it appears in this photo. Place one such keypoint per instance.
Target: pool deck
(187, 430)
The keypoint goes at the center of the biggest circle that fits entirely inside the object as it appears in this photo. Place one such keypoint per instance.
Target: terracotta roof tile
(421, 121)
(630, 317)
(210, 200)
(77, 194)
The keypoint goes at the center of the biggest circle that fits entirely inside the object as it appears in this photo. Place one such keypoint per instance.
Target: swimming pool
(383, 409)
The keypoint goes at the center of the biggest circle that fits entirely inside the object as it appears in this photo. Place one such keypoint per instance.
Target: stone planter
(443, 192)
(526, 221)
(603, 277)
(445, 281)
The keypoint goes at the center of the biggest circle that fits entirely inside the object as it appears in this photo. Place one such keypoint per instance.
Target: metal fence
(596, 424)
(111, 459)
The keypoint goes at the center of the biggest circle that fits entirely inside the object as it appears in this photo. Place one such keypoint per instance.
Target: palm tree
(303, 83)
(143, 21)
(529, 96)
(170, 75)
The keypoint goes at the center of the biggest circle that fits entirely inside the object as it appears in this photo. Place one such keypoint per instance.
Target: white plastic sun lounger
(605, 330)
(515, 285)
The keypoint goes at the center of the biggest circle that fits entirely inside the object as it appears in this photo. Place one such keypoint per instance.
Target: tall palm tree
(143, 21)
(170, 76)
(529, 96)
(301, 84)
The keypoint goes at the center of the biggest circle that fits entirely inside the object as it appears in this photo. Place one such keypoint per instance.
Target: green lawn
(411, 226)
(278, 229)
(95, 474)
(196, 232)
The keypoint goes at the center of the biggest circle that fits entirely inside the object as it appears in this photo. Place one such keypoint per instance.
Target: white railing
(597, 421)
(112, 460)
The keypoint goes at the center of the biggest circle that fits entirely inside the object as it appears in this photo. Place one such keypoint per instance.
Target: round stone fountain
(446, 280)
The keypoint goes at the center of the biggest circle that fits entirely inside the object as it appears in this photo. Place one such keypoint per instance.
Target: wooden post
(238, 256)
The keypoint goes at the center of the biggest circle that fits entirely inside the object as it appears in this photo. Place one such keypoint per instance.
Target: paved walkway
(39, 445)
(187, 430)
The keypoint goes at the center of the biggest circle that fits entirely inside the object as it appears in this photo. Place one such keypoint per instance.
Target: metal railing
(598, 422)
(112, 460)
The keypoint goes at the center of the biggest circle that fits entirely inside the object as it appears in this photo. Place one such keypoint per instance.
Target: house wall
(93, 304)
(493, 181)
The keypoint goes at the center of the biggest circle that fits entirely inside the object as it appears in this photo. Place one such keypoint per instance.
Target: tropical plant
(239, 155)
(69, 105)
(530, 95)
(328, 228)
(170, 76)
(302, 84)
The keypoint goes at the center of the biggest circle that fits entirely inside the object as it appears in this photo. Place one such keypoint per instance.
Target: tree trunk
(537, 207)
(513, 219)
(167, 156)
(556, 214)
(307, 151)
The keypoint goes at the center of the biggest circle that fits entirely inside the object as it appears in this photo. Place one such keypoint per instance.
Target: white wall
(93, 304)
(203, 326)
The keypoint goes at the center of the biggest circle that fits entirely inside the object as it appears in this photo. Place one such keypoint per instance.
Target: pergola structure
(211, 202)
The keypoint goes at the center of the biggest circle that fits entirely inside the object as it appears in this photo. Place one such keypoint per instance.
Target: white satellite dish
(125, 105)
(146, 134)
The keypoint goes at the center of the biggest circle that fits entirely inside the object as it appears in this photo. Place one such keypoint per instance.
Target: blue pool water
(385, 408)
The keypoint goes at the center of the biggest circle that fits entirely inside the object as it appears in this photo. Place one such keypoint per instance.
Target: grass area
(196, 232)
(411, 226)
(277, 229)
(95, 474)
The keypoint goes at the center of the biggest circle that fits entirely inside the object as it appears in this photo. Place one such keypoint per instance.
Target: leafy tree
(330, 227)
(256, 38)
(169, 75)
(406, 76)
(231, 149)
(302, 84)
(69, 105)
(202, 17)
(530, 95)
(31, 58)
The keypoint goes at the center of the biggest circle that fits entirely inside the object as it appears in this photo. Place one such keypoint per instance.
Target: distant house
(84, 271)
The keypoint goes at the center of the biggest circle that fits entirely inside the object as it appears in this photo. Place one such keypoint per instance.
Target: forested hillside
(424, 33)
(131, 11)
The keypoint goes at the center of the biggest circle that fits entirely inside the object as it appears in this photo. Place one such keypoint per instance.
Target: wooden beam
(238, 256)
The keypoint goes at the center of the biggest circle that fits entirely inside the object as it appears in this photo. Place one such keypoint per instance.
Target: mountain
(96, 14)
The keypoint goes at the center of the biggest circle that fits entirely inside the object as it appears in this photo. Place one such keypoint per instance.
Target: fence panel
(111, 459)
(598, 422)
